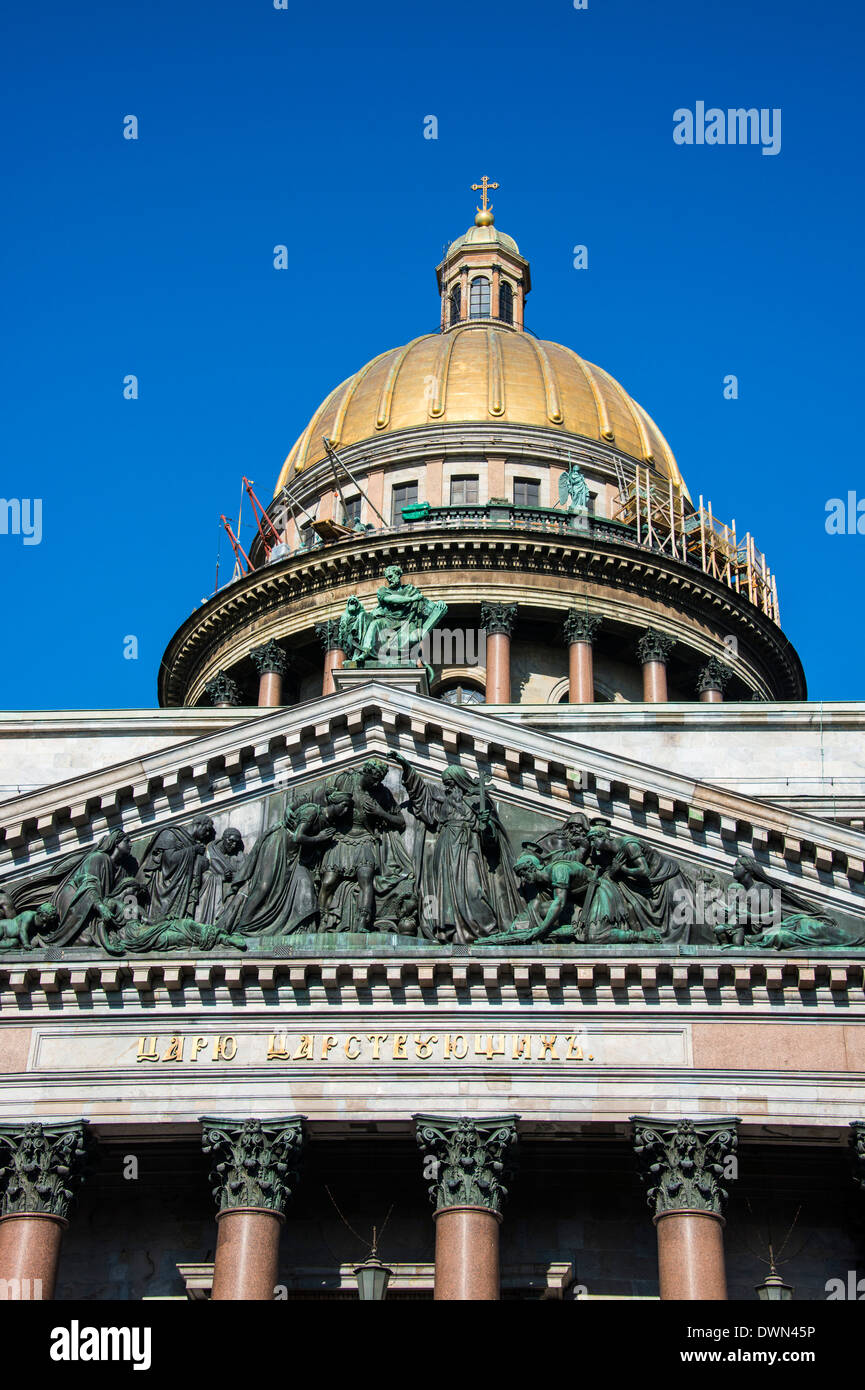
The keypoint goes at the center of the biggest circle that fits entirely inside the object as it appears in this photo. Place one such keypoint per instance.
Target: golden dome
(482, 374)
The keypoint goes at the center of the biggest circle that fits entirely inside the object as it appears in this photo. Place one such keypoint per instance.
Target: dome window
(479, 298)
(506, 303)
(464, 492)
(462, 694)
(404, 495)
(456, 303)
(527, 492)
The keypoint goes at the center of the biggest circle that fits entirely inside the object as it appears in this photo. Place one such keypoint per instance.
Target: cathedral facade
(479, 915)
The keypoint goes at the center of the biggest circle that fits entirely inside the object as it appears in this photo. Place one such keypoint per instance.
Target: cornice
(595, 975)
(241, 611)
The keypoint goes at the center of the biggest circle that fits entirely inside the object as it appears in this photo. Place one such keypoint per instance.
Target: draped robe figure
(636, 888)
(470, 875)
(367, 879)
(224, 862)
(390, 634)
(769, 914)
(88, 898)
(274, 892)
(172, 866)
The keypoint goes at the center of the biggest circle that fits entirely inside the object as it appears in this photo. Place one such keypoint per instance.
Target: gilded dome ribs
(551, 390)
(645, 442)
(437, 397)
(605, 428)
(496, 395)
(385, 400)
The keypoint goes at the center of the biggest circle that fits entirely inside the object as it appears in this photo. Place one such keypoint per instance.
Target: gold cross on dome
(483, 187)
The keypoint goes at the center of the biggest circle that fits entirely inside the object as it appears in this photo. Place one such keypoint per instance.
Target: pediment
(242, 775)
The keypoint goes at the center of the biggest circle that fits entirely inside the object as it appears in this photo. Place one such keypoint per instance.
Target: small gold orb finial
(484, 216)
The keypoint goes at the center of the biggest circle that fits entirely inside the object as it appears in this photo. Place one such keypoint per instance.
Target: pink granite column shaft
(247, 1254)
(467, 1254)
(333, 660)
(581, 676)
(498, 688)
(29, 1255)
(655, 682)
(691, 1255)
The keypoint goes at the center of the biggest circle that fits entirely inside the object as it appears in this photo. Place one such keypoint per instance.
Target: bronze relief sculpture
(433, 861)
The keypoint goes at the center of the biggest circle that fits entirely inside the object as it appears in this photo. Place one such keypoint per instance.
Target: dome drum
(544, 574)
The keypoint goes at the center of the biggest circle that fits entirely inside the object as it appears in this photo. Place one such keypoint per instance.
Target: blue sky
(304, 126)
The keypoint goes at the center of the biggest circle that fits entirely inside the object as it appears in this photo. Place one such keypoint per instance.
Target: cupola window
(479, 298)
(527, 492)
(404, 495)
(464, 492)
(506, 303)
(456, 303)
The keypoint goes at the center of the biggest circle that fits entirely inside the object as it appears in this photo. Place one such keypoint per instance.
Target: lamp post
(372, 1276)
(773, 1289)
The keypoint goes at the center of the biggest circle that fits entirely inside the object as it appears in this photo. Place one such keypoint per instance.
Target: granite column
(40, 1169)
(271, 662)
(653, 650)
(580, 633)
(466, 1163)
(712, 681)
(334, 656)
(497, 621)
(254, 1173)
(686, 1165)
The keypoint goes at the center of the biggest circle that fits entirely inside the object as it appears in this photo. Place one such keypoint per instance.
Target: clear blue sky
(305, 127)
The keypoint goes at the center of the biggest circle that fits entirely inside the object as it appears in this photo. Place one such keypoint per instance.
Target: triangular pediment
(537, 776)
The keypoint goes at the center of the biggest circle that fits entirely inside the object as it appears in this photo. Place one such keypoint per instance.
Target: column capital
(40, 1168)
(328, 634)
(713, 676)
(685, 1163)
(498, 618)
(270, 657)
(857, 1144)
(471, 1162)
(580, 627)
(222, 690)
(654, 646)
(255, 1162)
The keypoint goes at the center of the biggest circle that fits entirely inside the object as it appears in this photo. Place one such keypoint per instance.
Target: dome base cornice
(544, 572)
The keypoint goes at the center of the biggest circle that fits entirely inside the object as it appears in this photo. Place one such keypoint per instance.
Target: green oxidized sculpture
(762, 913)
(19, 931)
(345, 856)
(392, 632)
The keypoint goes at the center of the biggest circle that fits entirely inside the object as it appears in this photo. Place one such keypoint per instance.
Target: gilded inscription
(364, 1048)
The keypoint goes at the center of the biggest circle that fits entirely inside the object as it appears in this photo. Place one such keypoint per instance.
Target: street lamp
(773, 1289)
(372, 1276)
(372, 1279)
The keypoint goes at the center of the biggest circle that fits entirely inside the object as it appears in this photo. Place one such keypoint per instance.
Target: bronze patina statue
(391, 633)
(344, 856)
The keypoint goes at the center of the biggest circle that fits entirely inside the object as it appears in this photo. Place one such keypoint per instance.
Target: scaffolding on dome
(664, 519)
